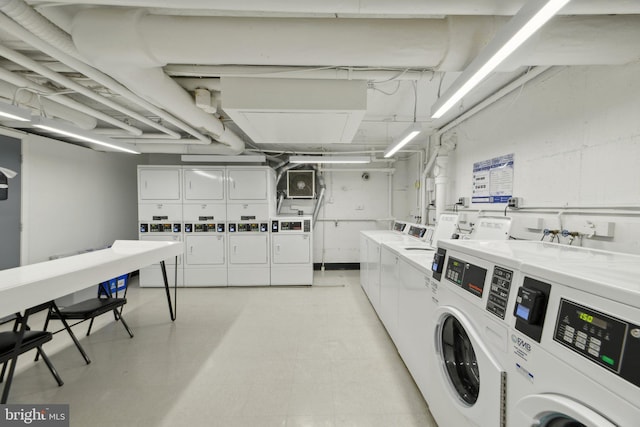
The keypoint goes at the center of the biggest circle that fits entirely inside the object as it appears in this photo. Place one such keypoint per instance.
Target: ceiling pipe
(371, 8)
(28, 23)
(32, 65)
(186, 75)
(187, 147)
(22, 82)
(53, 109)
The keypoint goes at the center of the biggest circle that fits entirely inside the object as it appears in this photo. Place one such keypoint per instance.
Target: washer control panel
(601, 338)
(468, 276)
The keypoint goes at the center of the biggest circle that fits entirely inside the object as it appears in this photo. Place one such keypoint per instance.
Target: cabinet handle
(191, 250)
(278, 248)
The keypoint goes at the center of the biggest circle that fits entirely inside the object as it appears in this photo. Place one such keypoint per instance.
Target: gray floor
(308, 356)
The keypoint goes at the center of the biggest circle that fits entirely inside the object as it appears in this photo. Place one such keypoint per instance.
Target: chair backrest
(114, 288)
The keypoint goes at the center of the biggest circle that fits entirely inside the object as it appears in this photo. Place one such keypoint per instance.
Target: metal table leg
(173, 309)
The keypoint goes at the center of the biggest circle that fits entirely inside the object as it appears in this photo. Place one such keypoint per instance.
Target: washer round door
(554, 410)
(460, 360)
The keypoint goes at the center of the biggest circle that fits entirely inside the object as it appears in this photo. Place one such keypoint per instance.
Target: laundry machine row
(534, 334)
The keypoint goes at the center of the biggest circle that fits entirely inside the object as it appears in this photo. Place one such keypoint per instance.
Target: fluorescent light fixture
(329, 159)
(12, 112)
(251, 158)
(405, 137)
(64, 129)
(533, 15)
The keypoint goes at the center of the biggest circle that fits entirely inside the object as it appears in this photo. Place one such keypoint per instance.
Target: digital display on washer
(499, 292)
(417, 231)
(468, 276)
(594, 335)
(290, 225)
(398, 226)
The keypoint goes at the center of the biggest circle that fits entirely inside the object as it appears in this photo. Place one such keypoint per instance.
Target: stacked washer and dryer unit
(534, 333)
(225, 217)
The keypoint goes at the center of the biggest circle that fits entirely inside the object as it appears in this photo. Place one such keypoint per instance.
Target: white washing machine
(370, 241)
(575, 358)
(205, 255)
(291, 251)
(248, 250)
(472, 293)
(161, 222)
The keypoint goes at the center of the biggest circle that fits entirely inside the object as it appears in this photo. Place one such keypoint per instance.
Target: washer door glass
(460, 360)
(557, 420)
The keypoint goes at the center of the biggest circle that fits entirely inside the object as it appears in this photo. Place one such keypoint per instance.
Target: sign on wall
(493, 180)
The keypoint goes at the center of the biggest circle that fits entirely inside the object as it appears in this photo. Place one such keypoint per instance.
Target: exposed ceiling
(335, 75)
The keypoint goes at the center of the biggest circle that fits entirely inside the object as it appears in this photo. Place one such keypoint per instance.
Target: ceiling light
(405, 137)
(60, 128)
(12, 112)
(527, 21)
(257, 158)
(329, 159)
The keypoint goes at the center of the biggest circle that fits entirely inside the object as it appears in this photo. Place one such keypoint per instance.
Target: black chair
(108, 300)
(20, 340)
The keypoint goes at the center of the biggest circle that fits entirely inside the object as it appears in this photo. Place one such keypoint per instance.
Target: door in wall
(10, 201)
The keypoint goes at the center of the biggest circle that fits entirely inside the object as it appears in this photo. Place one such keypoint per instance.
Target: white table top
(30, 285)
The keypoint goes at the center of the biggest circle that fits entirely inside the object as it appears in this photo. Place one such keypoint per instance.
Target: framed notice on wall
(493, 180)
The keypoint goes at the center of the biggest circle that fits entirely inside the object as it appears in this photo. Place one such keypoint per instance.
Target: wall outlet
(463, 201)
(514, 202)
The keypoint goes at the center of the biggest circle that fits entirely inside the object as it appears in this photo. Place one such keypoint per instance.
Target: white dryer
(470, 335)
(575, 358)
(291, 251)
(248, 250)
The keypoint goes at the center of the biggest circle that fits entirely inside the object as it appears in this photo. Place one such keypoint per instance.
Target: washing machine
(291, 251)
(161, 223)
(470, 334)
(248, 253)
(370, 241)
(205, 237)
(575, 358)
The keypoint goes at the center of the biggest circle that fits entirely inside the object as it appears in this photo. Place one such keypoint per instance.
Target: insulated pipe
(52, 108)
(187, 146)
(342, 8)
(20, 59)
(120, 36)
(20, 81)
(280, 201)
(32, 23)
(442, 180)
(186, 74)
(323, 187)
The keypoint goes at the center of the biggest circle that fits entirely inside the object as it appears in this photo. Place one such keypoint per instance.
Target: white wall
(74, 198)
(575, 136)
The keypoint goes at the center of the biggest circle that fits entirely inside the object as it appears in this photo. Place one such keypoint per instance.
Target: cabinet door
(250, 248)
(159, 184)
(291, 249)
(247, 184)
(204, 184)
(205, 250)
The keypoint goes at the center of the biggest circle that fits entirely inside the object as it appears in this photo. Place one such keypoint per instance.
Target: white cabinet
(247, 184)
(389, 288)
(291, 249)
(248, 249)
(159, 184)
(205, 250)
(204, 184)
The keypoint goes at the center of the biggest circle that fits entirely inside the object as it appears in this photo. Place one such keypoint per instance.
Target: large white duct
(365, 7)
(114, 38)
